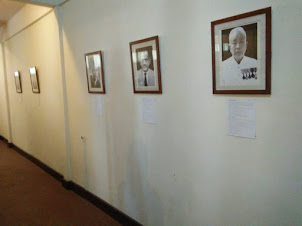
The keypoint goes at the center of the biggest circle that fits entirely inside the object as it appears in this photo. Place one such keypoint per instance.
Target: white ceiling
(8, 8)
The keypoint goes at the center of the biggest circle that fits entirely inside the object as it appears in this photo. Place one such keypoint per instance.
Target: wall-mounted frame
(241, 53)
(34, 80)
(94, 72)
(18, 82)
(145, 63)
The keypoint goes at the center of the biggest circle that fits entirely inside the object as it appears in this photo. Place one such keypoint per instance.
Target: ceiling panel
(50, 3)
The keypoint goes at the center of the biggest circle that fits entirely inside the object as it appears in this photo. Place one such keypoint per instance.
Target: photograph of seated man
(94, 70)
(95, 79)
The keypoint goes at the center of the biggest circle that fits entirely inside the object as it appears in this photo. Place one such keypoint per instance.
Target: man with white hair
(239, 69)
(145, 75)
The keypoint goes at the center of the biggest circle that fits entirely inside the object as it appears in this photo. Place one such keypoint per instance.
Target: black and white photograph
(34, 80)
(241, 48)
(94, 72)
(145, 64)
(18, 82)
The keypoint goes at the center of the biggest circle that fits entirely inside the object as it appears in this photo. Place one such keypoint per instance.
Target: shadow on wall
(136, 195)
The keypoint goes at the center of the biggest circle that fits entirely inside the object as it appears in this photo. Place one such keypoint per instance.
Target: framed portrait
(241, 53)
(18, 82)
(34, 80)
(145, 63)
(94, 72)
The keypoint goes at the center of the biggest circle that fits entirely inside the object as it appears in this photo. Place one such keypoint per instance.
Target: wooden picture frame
(94, 72)
(18, 82)
(34, 79)
(145, 64)
(241, 53)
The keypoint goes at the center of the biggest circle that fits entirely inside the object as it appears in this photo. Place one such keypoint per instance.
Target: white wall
(4, 131)
(37, 120)
(25, 17)
(184, 170)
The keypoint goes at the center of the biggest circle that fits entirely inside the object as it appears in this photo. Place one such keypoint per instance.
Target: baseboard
(4, 139)
(36, 161)
(10, 145)
(70, 185)
(103, 205)
(67, 184)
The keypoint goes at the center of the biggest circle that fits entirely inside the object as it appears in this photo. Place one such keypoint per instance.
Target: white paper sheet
(242, 117)
(98, 106)
(148, 110)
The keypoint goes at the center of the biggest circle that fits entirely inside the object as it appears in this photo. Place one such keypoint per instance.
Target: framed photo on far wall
(241, 53)
(94, 72)
(145, 63)
(18, 82)
(34, 80)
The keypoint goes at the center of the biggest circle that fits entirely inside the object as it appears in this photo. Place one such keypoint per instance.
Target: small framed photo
(34, 80)
(94, 72)
(18, 82)
(145, 64)
(241, 53)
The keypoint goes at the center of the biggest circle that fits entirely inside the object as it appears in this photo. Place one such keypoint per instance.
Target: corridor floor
(30, 196)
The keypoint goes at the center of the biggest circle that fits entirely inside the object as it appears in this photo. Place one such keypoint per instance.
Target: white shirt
(149, 76)
(239, 74)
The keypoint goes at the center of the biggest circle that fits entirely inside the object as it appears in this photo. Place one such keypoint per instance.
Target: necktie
(146, 84)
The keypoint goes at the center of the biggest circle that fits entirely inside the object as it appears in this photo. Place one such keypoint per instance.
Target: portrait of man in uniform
(240, 67)
(241, 53)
